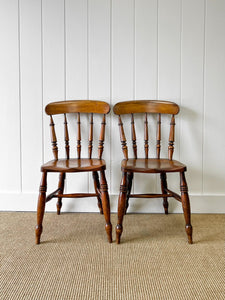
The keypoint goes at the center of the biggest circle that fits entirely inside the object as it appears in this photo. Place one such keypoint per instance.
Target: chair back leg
(97, 190)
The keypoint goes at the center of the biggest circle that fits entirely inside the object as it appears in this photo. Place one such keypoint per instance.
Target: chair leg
(129, 186)
(163, 188)
(106, 205)
(97, 190)
(61, 187)
(41, 206)
(121, 207)
(186, 206)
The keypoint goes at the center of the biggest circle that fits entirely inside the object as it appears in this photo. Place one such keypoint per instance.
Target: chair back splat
(146, 107)
(78, 107)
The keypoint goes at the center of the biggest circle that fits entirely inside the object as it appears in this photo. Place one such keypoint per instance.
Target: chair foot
(58, 206)
(38, 232)
(119, 230)
(108, 229)
(166, 210)
(188, 229)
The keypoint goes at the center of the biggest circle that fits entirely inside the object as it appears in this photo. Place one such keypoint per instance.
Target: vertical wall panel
(31, 93)
(99, 69)
(214, 121)
(53, 74)
(122, 73)
(192, 91)
(169, 64)
(146, 78)
(76, 22)
(10, 176)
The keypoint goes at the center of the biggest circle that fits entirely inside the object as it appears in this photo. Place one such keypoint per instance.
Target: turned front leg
(163, 188)
(61, 187)
(97, 190)
(186, 206)
(106, 205)
(121, 206)
(41, 206)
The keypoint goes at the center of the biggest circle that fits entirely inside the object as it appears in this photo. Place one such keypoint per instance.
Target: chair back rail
(90, 107)
(146, 107)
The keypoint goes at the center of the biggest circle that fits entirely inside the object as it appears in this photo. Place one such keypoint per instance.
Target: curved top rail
(73, 106)
(146, 106)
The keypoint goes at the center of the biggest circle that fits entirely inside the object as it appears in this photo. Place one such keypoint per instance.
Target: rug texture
(75, 261)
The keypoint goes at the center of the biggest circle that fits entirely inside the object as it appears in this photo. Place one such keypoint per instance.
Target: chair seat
(152, 165)
(74, 165)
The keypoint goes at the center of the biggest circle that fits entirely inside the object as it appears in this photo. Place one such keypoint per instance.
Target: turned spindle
(78, 136)
(158, 146)
(101, 138)
(90, 146)
(66, 134)
(146, 135)
(171, 138)
(123, 139)
(133, 134)
(54, 139)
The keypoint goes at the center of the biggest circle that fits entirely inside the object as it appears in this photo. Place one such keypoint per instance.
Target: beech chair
(129, 166)
(75, 165)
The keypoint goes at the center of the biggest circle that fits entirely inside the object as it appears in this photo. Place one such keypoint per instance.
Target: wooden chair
(150, 165)
(69, 165)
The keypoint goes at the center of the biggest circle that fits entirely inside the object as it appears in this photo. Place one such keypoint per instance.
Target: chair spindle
(123, 139)
(158, 146)
(90, 146)
(133, 133)
(54, 139)
(146, 135)
(78, 136)
(171, 138)
(66, 134)
(101, 138)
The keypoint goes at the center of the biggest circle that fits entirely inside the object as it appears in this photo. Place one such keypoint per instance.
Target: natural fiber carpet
(75, 261)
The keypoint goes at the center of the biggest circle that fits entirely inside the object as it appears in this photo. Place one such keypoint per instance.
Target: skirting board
(28, 202)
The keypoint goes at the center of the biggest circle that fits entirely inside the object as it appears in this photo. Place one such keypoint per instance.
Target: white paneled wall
(112, 50)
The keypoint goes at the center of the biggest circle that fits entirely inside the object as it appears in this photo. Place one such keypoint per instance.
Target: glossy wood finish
(152, 165)
(146, 106)
(159, 165)
(74, 106)
(74, 165)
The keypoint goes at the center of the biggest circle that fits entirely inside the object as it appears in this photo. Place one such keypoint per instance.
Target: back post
(101, 138)
(53, 139)
(171, 138)
(123, 138)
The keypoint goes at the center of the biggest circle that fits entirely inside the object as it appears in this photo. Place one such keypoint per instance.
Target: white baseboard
(28, 202)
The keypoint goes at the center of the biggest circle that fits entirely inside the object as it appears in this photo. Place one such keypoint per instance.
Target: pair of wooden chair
(98, 165)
